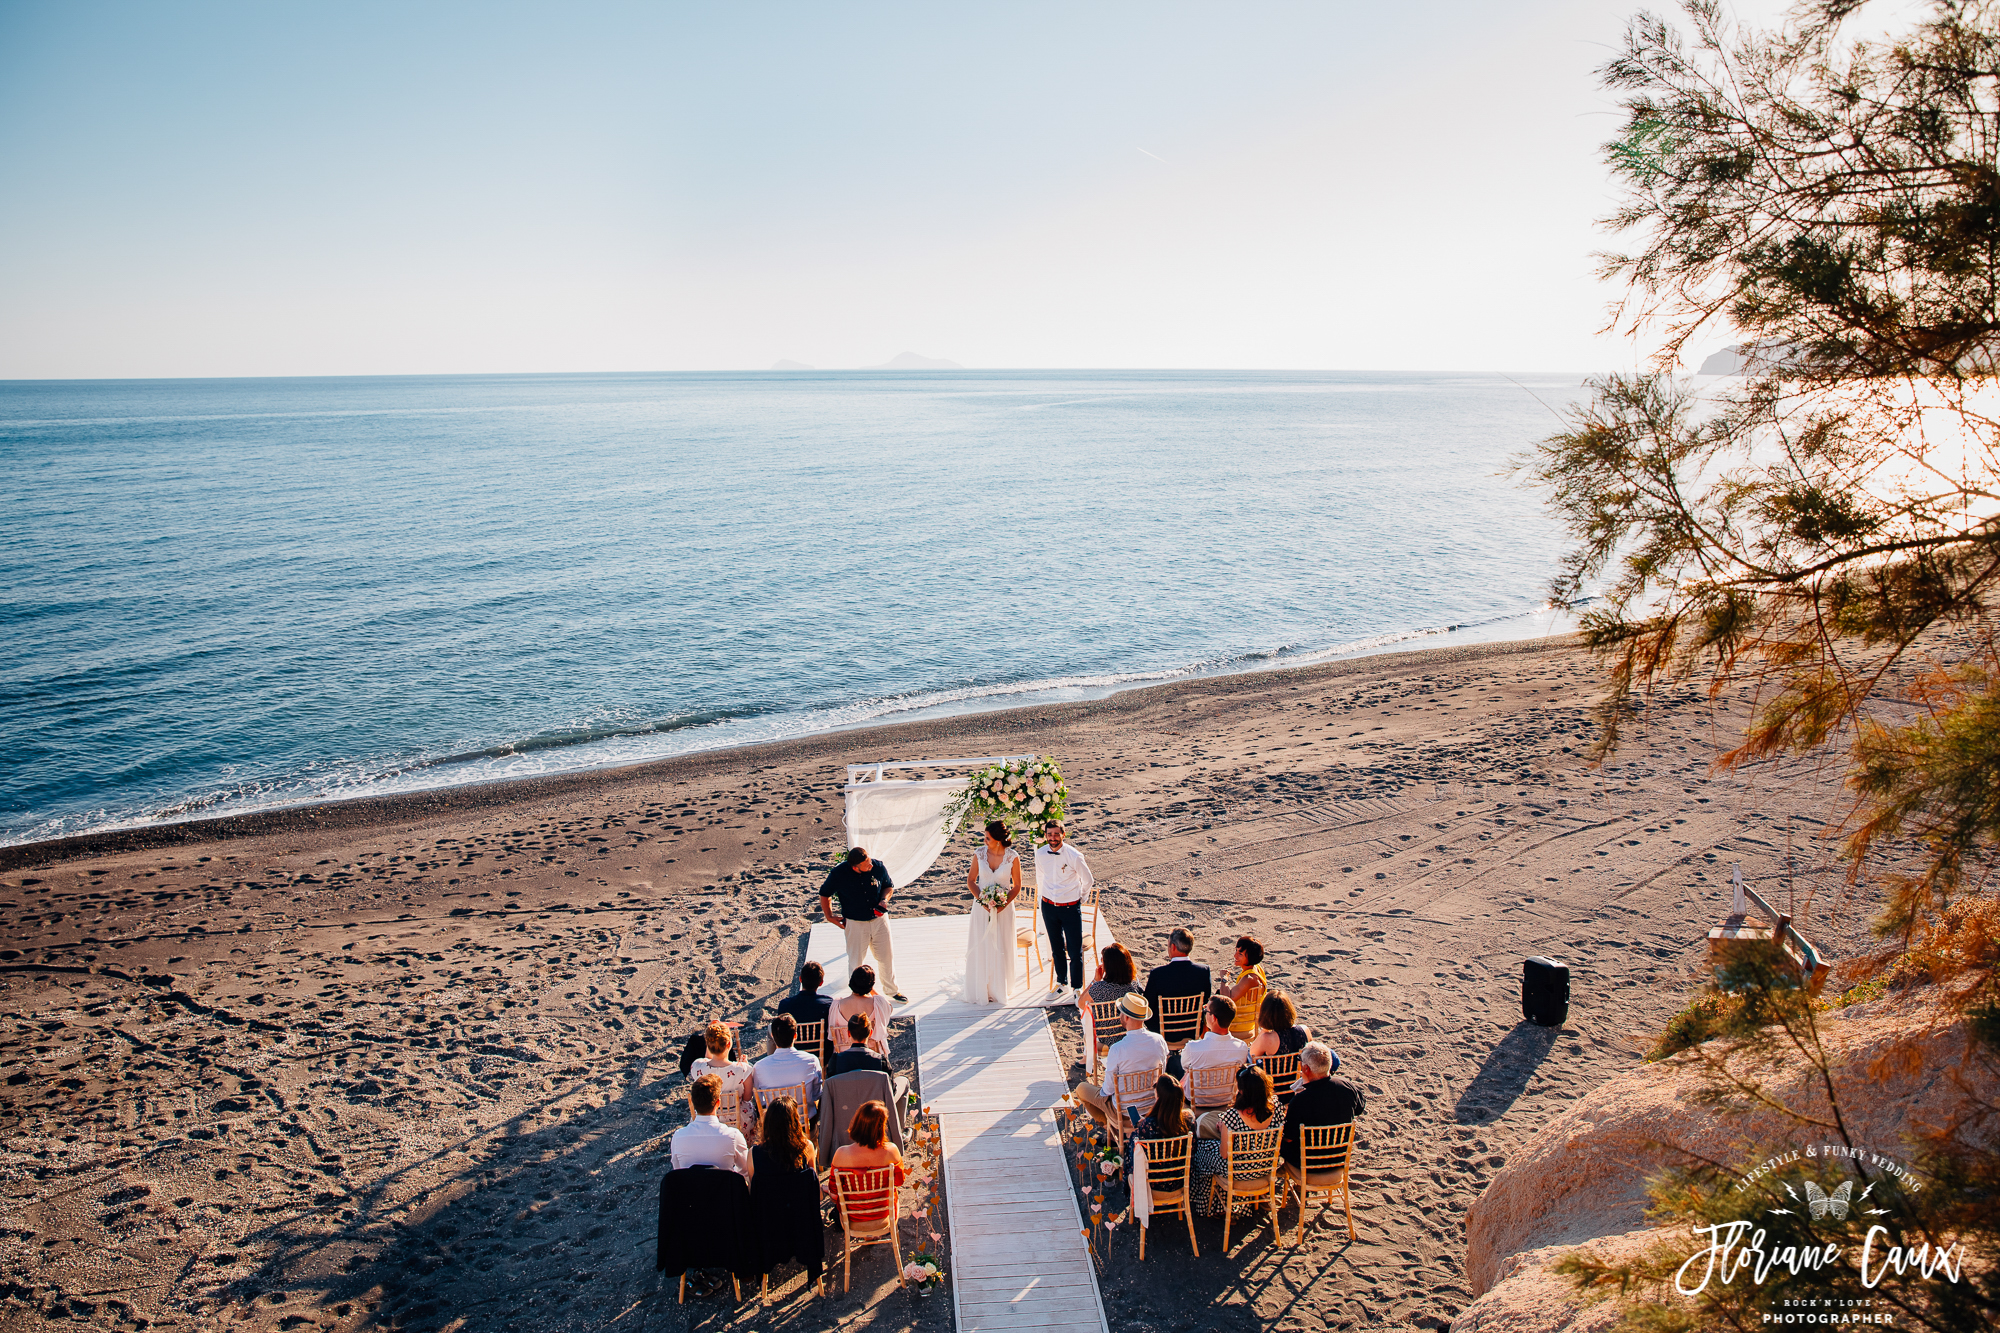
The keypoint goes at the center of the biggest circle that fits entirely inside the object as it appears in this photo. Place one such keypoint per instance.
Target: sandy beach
(410, 1063)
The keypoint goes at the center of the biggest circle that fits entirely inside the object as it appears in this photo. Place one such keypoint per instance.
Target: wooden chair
(1136, 1092)
(1180, 1019)
(1104, 1018)
(1168, 1162)
(1284, 1071)
(1212, 1087)
(869, 1201)
(1253, 1176)
(728, 1105)
(1325, 1154)
(734, 1281)
(1028, 939)
(798, 1092)
(812, 1037)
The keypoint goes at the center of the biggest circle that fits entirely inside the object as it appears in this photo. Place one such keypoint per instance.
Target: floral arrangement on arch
(1019, 792)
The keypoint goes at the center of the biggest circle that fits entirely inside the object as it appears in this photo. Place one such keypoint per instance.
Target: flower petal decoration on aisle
(1021, 792)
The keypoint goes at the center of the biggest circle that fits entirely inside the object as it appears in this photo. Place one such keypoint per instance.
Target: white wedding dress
(989, 944)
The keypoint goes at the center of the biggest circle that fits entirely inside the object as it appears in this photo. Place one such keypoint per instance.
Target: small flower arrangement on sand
(924, 1272)
(1019, 792)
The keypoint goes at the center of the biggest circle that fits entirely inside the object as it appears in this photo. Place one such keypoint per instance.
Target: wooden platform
(992, 1074)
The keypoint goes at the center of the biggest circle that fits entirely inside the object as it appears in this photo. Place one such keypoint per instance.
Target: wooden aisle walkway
(992, 1075)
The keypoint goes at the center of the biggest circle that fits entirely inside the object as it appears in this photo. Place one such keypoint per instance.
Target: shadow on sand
(544, 1222)
(1503, 1076)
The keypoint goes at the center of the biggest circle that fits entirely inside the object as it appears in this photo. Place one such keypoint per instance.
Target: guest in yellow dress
(1249, 987)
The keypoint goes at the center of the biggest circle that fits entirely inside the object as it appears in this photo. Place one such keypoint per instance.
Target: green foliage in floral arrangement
(1020, 793)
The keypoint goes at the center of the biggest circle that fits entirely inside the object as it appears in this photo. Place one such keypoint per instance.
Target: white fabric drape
(1142, 1183)
(900, 823)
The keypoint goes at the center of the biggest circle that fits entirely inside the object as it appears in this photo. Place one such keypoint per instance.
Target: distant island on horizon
(901, 361)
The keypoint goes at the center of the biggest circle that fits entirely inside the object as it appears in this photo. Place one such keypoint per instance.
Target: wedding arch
(901, 821)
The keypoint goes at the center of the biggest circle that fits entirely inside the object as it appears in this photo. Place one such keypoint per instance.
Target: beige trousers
(866, 936)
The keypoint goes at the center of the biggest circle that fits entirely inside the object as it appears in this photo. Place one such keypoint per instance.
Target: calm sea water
(229, 595)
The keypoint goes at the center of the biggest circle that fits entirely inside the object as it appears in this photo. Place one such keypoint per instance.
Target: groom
(863, 887)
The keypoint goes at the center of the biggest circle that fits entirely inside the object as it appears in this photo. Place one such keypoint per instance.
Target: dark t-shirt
(859, 895)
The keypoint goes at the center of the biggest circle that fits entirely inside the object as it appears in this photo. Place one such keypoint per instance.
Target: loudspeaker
(1545, 992)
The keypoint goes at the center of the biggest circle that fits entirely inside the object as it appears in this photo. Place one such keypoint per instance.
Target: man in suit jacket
(1321, 1098)
(809, 1006)
(1178, 976)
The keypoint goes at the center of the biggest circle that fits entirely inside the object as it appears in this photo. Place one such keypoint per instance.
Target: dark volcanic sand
(411, 1063)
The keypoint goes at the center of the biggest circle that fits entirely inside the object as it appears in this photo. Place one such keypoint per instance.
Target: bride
(994, 882)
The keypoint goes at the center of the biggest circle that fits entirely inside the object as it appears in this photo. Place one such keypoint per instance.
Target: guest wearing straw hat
(1138, 1050)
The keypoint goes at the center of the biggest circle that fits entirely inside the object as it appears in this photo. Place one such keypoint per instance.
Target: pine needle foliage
(1828, 534)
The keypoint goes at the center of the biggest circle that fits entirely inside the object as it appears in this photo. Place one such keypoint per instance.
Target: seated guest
(1279, 1031)
(696, 1046)
(1215, 1047)
(861, 999)
(809, 1006)
(1169, 1118)
(1117, 976)
(1138, 1051)
(870, 1150)
(1320, 1098)
(860, 1052)
(784, 1192)
(1176, 978)
(785, 1067)
(1253, 1109)
(706, 1141)
(733, 1075)
(1248, 989)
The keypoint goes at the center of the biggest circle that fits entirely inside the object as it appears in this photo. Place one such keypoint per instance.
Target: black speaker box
(1545, 992)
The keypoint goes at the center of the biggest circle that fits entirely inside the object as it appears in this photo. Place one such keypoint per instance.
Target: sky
(206, 189)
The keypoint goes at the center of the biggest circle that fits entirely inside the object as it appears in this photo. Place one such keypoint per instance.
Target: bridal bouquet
(1020, 791)
(993, 897)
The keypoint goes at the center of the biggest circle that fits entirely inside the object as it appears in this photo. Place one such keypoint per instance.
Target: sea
(223, 596)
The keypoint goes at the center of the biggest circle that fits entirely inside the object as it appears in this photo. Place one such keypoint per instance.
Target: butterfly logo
(1835, 1205)
(1832, 1205)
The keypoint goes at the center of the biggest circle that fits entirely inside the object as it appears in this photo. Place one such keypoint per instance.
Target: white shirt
(787, 1066)
(706, 1141)
(1216, 1048)
(1062, 877)
(1136, 1051)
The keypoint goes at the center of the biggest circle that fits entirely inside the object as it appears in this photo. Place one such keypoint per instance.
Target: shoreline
(369, 812)
(349, 1061)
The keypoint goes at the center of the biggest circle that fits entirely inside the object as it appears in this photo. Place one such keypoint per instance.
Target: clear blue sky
(255, 189)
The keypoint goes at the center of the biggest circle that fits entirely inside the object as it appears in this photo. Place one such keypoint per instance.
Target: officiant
(862, 886)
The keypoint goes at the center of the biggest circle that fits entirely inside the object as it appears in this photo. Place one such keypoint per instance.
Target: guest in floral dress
(1253, 1110)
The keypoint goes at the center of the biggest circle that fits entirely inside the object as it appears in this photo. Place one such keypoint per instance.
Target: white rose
(1047, 783)
(1035, 806)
